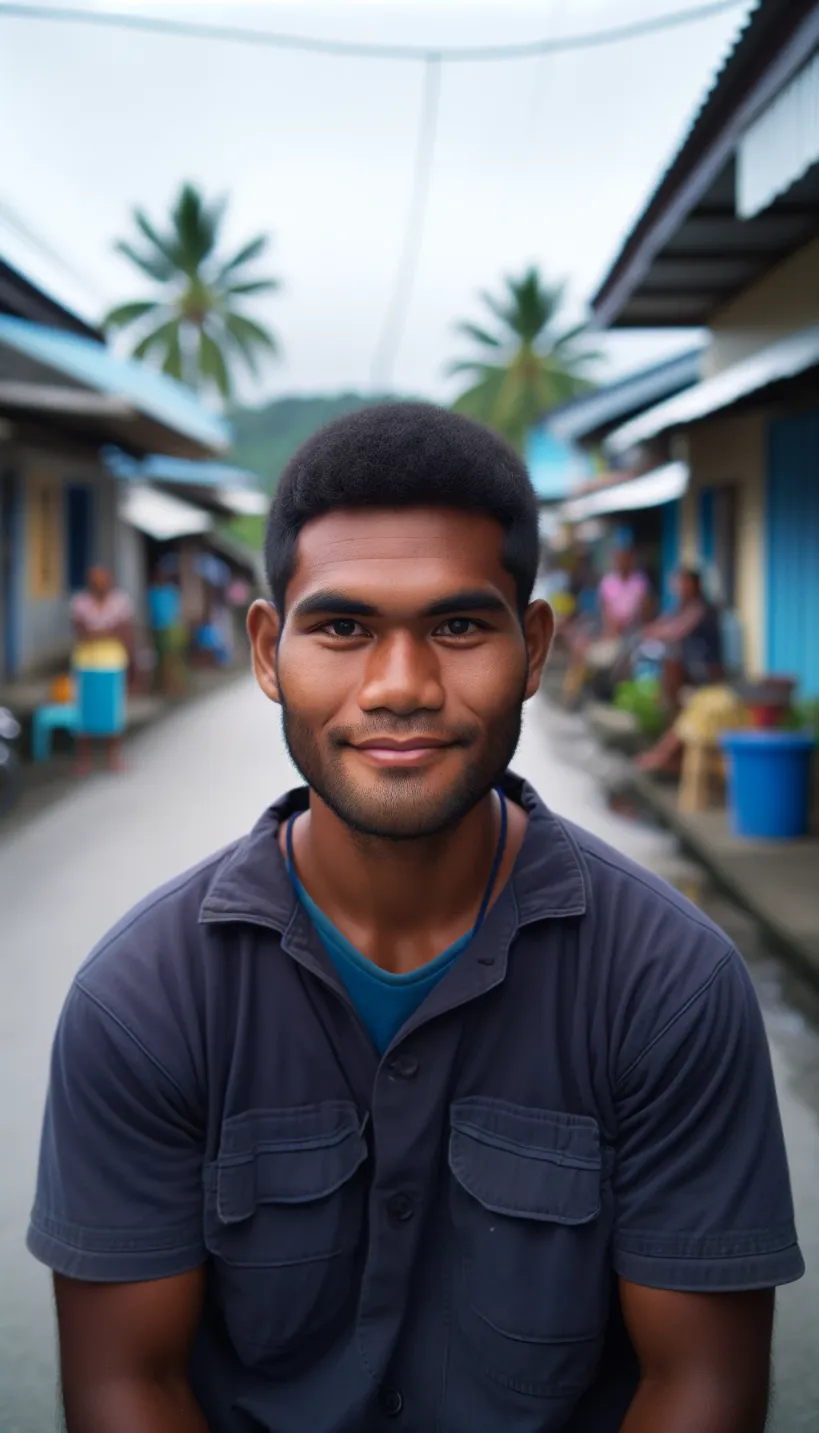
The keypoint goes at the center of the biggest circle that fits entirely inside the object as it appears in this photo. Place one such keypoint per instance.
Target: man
(418, 1107)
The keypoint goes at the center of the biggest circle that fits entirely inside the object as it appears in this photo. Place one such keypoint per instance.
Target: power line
(190, 29)
(387, 346)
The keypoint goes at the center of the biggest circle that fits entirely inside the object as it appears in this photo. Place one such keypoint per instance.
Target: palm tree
(526, 363)
(194, 325)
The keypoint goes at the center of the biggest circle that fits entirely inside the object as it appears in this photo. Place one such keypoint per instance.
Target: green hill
(266, 437)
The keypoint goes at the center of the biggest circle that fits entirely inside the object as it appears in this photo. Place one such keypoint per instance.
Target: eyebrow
(473, 599)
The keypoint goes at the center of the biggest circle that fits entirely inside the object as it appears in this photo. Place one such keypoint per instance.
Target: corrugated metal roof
(652, 490)
(161, 516)
(781, 145)
(607, 405)
(91, 365)
(784, 359)
(688, 252)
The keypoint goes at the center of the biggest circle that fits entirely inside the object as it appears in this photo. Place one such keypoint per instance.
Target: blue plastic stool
(62, 716)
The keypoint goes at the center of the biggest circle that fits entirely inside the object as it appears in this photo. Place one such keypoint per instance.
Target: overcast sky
(545, 161)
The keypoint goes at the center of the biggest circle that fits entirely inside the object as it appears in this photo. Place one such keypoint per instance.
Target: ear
(538, 629)
(263, 628)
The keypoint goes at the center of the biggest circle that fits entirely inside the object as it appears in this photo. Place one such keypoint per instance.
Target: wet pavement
(200, 779)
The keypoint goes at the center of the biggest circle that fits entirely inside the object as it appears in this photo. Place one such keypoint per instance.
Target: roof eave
(703, 155)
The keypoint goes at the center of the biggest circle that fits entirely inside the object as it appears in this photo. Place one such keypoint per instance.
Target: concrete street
(195, 781)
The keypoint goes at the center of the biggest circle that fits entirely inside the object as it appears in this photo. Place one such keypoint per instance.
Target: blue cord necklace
(493, 874)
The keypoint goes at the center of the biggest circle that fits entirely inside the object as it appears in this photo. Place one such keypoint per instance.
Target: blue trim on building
(670, 534)
(792, 545)
(91, 364)
(12, 575)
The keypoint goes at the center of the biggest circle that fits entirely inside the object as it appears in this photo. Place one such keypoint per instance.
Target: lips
(415, 750)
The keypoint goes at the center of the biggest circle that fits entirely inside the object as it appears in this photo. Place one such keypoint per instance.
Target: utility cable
(156, 25)
(387, 346)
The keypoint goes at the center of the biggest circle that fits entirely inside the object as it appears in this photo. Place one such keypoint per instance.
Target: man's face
(401, 666)
(624, 561)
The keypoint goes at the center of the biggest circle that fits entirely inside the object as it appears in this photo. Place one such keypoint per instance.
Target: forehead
(414, 550)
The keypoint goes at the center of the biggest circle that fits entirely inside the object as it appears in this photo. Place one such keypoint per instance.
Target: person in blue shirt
(167, 631)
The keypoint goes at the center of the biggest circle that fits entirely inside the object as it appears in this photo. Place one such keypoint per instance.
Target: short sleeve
(120, 1175)
(701, 1184)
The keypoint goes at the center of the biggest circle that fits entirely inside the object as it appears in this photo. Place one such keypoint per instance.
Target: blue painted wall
(670, 534)
(792, 540)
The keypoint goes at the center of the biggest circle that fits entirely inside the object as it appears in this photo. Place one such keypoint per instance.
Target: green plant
(526, 362)
(805, 717)
(643, 700)
(195, 326)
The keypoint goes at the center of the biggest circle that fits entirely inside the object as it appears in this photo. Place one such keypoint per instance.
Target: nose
(402, 676)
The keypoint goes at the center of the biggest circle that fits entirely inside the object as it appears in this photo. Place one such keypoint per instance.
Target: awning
(160, 516)
(652, 490)
(786, 358)
(218, 486)
(52, 370)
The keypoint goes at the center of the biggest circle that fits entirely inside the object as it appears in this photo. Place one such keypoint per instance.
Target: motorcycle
(11, 778)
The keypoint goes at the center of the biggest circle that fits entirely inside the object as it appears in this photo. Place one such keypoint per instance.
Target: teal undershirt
(384, 1001)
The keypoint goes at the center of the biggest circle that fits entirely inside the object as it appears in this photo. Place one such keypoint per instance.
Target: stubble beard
(399, 809)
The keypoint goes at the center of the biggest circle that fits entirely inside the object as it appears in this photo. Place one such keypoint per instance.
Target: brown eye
(458, 627)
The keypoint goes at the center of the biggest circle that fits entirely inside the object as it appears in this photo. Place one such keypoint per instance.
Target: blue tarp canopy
(219, 486)
(555, 467)
(48, 370)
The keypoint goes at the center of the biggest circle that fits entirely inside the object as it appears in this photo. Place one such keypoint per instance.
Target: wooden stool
(702, 761)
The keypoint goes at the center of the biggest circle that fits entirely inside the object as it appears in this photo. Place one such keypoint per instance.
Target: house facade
(64, 401)
(730, 241)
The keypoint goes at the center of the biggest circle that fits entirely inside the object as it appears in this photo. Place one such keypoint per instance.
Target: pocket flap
(286, 1157)
(527, 1163)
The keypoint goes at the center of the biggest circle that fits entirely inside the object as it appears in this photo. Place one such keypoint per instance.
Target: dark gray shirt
(432, 1239)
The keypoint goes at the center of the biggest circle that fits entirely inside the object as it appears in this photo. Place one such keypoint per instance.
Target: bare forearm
(695, 1406)
(135, 1407)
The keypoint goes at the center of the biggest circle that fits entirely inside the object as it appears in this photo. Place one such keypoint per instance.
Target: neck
(402, 902)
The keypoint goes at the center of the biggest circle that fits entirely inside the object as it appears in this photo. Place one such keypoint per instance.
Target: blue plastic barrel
(100, 700)
(769, 783)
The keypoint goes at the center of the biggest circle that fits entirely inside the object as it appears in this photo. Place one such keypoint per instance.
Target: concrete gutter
(777, 882)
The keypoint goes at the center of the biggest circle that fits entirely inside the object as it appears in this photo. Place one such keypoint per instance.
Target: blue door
(79, 533)
(669, 551)
(793, 550)
(10, 562)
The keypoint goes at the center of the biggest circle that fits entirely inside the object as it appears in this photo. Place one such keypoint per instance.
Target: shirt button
(400, 1208)
(404, 1067)
(391, 1402)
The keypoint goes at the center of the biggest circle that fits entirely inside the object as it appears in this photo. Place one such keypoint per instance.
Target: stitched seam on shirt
(145, 910)
(95, 1000)
(674, 1018)
(690, 916)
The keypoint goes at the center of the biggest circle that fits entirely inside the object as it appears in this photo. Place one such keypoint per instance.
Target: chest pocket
(532, 1220)
(284, 1219)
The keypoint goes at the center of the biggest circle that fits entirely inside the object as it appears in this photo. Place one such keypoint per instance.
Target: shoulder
(147, 974)
(645, 939)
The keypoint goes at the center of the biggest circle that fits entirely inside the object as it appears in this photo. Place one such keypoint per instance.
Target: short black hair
(404, 455)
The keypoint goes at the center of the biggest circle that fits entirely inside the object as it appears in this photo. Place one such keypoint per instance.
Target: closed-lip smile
(406, 751)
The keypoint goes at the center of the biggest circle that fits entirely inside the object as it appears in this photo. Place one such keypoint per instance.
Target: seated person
(621, 603)
(689, 639)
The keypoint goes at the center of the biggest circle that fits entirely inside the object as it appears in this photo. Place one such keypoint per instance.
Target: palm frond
(165, 247)
(155, 266)
(126, 314)
(246, 255)
(212, 363)
(159, 337)
(246, 330)
(480, 335)
(256, 286)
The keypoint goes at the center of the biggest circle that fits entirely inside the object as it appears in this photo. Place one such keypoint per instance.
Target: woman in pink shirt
(624, 595)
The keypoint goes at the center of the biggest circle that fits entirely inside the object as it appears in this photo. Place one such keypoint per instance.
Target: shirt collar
(253, 885)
